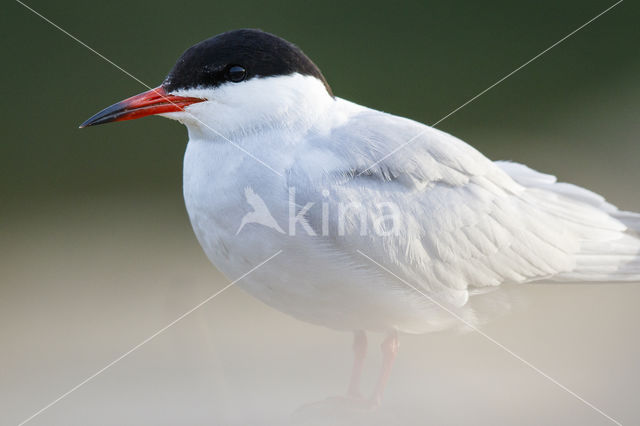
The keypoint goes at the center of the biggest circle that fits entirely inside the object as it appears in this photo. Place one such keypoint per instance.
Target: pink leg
(359, 353)
(389, 349)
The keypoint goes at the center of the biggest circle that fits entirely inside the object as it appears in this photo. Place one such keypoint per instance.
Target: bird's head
(233, 81)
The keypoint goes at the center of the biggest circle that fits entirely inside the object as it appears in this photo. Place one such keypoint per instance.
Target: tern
(385, 224)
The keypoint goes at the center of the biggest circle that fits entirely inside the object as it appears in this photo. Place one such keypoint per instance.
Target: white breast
(469, 224)
(308, 280)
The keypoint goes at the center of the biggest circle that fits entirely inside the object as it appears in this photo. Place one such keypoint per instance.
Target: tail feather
(609, 239)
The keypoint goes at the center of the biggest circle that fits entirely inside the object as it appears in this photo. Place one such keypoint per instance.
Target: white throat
(236, 110)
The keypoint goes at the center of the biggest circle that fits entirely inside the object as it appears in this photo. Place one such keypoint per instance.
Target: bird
(384, 224)
(260, 214)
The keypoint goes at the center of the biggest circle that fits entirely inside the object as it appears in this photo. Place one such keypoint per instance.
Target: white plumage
(260, 214)
(469, 224)
(391, 225)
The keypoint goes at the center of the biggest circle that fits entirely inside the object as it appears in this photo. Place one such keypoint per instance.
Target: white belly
(307, 280)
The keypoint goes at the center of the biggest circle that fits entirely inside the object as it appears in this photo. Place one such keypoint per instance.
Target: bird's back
(469, 223)
(466, 224)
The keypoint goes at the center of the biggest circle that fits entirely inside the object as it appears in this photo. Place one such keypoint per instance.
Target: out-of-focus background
(96, 252)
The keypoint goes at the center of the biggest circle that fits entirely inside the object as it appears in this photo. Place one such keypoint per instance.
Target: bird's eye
(236, 73)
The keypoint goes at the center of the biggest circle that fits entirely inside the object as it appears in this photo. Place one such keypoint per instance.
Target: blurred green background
(96, 252)
(418, 59)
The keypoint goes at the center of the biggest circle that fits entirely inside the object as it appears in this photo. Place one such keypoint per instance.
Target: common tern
(362, 203)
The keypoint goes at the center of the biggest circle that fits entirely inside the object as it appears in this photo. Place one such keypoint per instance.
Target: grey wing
(463, 224)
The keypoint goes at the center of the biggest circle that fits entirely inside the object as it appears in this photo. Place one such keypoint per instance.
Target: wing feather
(467, 224)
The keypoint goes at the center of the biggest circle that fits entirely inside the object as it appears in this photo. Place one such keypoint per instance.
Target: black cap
(258, 53)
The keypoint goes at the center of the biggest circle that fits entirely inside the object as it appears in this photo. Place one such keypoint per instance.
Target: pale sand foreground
(84, 281)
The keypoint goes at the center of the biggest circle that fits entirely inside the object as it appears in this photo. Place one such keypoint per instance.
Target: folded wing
(462, 224)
